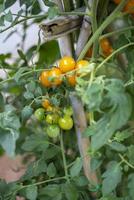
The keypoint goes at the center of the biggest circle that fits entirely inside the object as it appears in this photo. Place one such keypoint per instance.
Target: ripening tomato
(39, 114)
(106, 47)
(55, 75)
(89, 52)
(53, 131)
(46, 103)
(44, 79)
(129, 7)
(68, 111)
(52, 118)
(80, 64)
(65, 122)
(117, 1)
(71, 80)
(67, 64)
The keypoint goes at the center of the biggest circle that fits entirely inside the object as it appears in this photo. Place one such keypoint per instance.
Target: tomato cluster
(105, 46)
(54, 118)
(54, 76)
(129, 7)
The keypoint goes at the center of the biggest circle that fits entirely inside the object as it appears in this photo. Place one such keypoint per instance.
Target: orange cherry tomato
(46, 103)
(106, 47)
(43, 79)
(129, 7)
(66, 64)
(55, 74)
(89, 52)
(80, 64)
(117, 1)
(71, 80)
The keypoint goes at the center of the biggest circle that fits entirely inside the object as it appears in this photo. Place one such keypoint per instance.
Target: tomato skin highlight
(39, 114)
(53, 131)
(55, 74)
(65, 122)
(52, 118)
(43, 79)
(66, 64)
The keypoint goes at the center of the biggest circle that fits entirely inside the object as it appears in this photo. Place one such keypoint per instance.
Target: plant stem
(111, 55)
(94, 27)
(64, 157)
(87, 5)
(120, 31)
(109, 19)
(125, 161)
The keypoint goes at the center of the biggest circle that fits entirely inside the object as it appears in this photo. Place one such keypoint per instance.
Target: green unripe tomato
(53, 131)
(66, 122)
(52, 118)
(68, 111)
(39, 114)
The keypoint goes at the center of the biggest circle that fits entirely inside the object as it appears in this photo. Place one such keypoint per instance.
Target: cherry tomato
(71, 80)
(55, 74)
(53, 131)
(80, 64)
(44, 79)
(65, 123)
(89, 52)
(39, 114)
(66, 64)
(52, 118)
(117, 1)
(129, 7)
(106, 47)
(46, 103)
(68, 111)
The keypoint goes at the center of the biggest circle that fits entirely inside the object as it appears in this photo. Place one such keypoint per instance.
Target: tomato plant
(68, 100)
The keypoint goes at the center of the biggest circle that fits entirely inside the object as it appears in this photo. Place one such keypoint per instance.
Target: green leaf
(130, 154)
(117, 146)
(22, 55)
(51, 190)
(49, 3)
(28, 95)
(76, 168)
(51, 170)
(31, 86)
(19, 74)
(52, 12)
(81, 181)
(112, 178)
(9, 131)
(2, 20)
(9, 3)
(49, 53)
(91, 96)
(117, 116)
(26, 112)
(35, 143)
(51, 152)
(131, 185)
(1, 102)
(9, 17)
(1, 7)
(71, 192)
(31, 192)
(121, 136)
(34, 169)
(95, 163)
